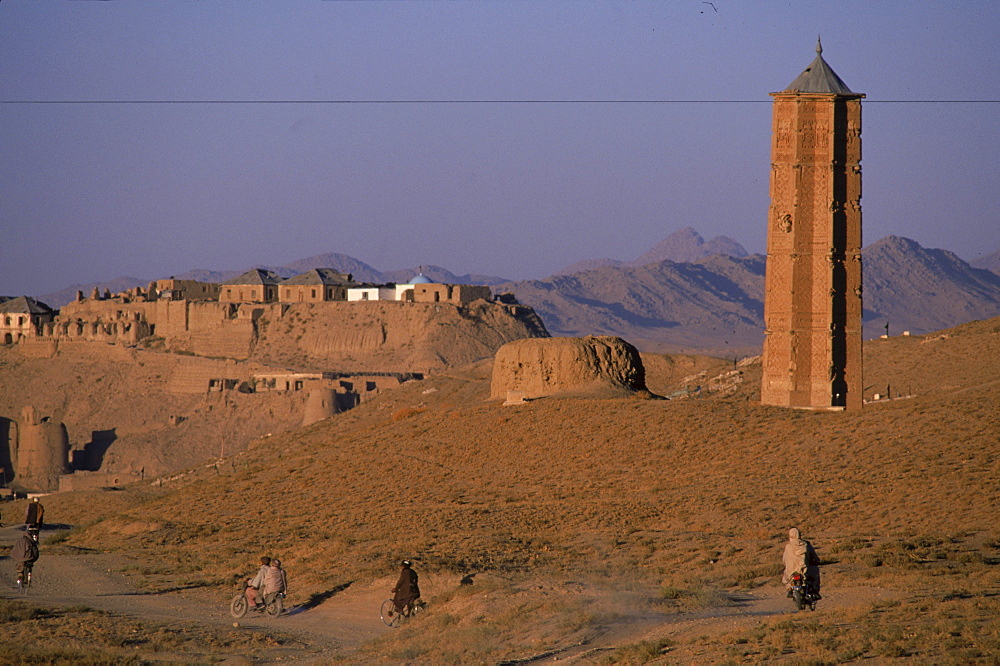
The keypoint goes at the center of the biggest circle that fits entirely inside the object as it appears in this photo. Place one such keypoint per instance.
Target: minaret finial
(819, 46)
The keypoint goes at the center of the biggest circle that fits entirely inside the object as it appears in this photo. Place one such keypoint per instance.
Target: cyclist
(256, 582)
(406, 591)
(24, 553)
(275, 581)
(33, 517)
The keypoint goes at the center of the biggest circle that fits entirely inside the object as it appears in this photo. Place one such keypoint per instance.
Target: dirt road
(349, 618)
(66, 578)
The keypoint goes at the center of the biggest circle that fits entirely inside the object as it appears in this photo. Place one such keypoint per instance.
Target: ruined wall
(184, 289)
(41, 453)
(197, 376)
(540, 367)
(321, 403)
(812, 303)
(205, 328)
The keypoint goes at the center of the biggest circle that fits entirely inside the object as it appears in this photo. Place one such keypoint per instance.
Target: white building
(399, 292)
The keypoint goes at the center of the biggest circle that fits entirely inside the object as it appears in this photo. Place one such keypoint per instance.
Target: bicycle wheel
(238, 606)
(388, 613)
(417, 608)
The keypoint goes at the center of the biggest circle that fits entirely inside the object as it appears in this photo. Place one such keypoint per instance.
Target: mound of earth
(548, 366)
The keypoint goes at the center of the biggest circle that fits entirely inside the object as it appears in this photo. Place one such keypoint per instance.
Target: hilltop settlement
(113, 387)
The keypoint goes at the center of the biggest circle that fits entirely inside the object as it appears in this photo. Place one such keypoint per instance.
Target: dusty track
(71, 578)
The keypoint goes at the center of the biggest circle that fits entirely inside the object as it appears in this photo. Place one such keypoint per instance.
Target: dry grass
(80, 635)
(658, 507)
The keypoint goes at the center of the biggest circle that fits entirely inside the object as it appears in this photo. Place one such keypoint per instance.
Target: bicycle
(24, 579)
(393, 618)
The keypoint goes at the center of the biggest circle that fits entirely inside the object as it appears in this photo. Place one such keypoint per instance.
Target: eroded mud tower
(40, 454)
(320, 404)
(812, 299)
(539, 367)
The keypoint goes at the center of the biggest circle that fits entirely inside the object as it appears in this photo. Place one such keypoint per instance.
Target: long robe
(24, 550)
(406, 591)
(800, 557)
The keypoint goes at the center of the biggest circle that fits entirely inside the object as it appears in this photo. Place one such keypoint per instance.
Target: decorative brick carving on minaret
(812, 298)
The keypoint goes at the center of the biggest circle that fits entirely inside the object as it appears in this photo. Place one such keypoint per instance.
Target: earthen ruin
(538, 367)
(215, 374)
(34, 452)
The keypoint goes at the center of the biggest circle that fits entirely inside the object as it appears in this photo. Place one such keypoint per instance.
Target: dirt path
(350, 618)
(747, 612)
(94, 580)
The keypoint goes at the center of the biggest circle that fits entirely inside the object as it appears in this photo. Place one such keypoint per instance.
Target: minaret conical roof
(818, 77)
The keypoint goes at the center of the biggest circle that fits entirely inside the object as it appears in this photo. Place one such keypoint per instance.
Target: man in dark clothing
(24, 553)
(34, 513)
(406, 591)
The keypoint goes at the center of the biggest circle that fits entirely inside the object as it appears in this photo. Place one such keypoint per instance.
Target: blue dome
(421, 279)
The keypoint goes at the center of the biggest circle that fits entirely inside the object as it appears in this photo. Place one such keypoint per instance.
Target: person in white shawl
(799, 556)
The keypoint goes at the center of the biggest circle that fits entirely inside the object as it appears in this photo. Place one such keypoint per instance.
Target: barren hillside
(571, 516)
(715, 304)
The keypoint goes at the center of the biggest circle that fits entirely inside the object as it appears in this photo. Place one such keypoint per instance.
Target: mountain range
(688, 294)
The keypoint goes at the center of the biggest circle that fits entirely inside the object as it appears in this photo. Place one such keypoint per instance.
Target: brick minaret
(812, 291)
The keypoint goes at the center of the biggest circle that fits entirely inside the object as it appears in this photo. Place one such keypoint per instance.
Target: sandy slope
(592, 525)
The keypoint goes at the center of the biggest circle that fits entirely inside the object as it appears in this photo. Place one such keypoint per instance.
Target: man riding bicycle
(24, 552)
(406, 591)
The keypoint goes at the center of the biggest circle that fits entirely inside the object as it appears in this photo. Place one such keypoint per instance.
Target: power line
(456, 101)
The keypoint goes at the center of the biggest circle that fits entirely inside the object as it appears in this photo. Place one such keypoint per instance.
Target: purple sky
(90, 191)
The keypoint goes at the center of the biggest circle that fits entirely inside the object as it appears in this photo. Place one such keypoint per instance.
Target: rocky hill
(716, 304)
(921, 289)
(687, 245)
(711, 305)
(684, 245)
(989, 262)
